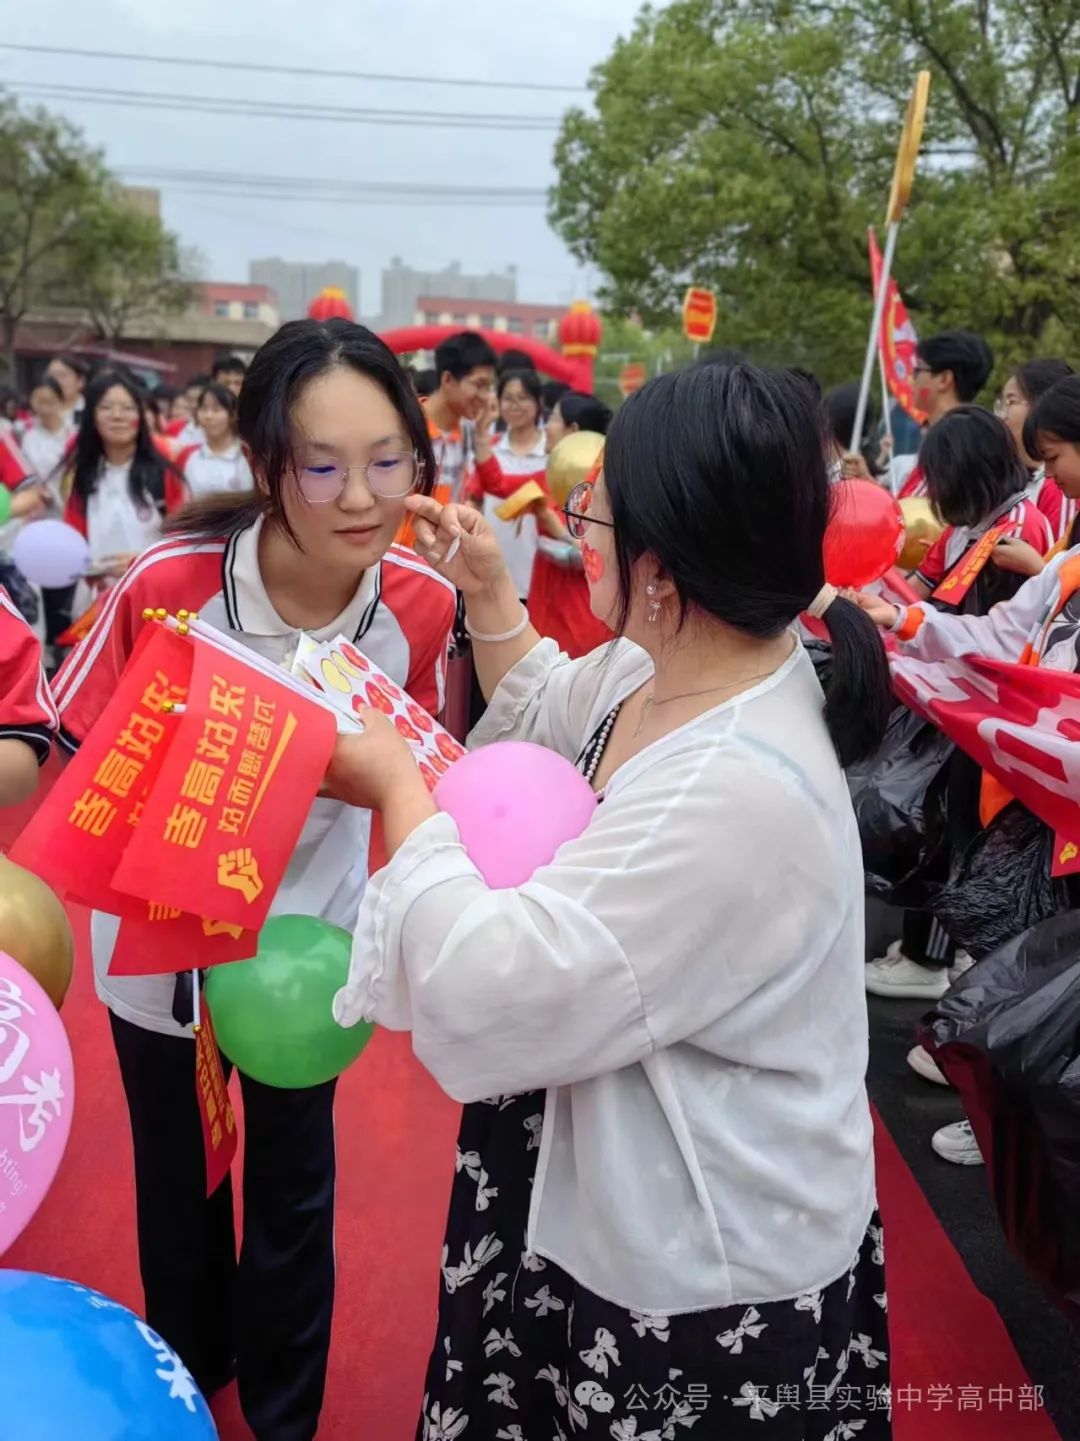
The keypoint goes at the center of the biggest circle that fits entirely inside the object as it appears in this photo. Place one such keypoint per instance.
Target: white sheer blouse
(685, 981)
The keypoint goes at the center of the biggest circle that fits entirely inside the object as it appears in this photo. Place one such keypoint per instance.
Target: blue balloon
(75, 1364)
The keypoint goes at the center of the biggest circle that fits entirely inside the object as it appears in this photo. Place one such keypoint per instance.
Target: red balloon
(864, 536)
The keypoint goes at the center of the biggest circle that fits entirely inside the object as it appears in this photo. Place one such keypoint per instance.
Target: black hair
(1056, 413)
(426, 382)
(48, 382)
(462, 353)
(720, 473)
(552, 392)
(584, 411)
(515, 360)
(166, 393)
(294, 356)
(530, 383)
(965, 354)
(227, 365)
(224, 397)
(971, 464)
(146, 478)
(197, 380)
(74, 363)
(841, 404)
(8, 394)
(1035, 377)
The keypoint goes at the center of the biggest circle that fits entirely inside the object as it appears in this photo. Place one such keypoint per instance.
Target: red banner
(215, 1108)
(897, 340)
(162, 939)
(232, 794)
(76, 838)
(970, 566)
(1020, 723)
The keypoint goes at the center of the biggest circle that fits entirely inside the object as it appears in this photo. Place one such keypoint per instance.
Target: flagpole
(875, 332)
(886, 413)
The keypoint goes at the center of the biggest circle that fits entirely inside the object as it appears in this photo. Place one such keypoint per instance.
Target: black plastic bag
(1001, 885)
(1007, 1035)
(900, 800)
(22, 593)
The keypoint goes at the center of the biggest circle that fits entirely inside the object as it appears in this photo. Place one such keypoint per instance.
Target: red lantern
(580, 330)
(864, 536)
(330, 304)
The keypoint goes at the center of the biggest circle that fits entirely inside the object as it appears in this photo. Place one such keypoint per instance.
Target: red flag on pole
(896, 340)
(1019, 722)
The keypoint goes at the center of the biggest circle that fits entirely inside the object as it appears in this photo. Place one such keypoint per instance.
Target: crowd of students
(591, 1021)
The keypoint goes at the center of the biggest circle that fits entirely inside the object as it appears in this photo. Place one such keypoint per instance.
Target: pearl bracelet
(519, 629)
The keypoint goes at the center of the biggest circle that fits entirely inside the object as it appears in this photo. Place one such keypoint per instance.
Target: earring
(654, 604)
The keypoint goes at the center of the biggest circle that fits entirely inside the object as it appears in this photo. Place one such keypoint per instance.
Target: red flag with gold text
(897, 340)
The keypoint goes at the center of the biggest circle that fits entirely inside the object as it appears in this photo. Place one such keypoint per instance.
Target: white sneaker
(961, 963)
(894, 975)
(923, 1064)
(957, 1143)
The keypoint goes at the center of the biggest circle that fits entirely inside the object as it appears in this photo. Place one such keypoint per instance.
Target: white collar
(538, 452)
(249, 608)
(230, 454)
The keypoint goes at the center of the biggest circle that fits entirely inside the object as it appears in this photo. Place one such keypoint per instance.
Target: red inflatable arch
(576, 371)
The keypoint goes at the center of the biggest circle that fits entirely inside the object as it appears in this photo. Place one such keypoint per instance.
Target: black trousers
(268, 1316)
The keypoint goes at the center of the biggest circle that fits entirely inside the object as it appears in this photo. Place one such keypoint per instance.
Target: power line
(282, 110)
(262, 69)
(315, 187)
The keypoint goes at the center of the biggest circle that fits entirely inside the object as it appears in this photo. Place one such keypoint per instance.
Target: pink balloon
(37, 1094)
(514, 804)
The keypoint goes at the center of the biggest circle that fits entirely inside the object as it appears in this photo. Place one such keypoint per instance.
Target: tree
(48, 181)
(747, 144)
(627, 341)
(127, 267)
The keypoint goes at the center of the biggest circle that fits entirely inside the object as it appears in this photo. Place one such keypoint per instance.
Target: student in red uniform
(218, 464)
(337, 440)
(1019, 393)
(951, 369)
(27, 711)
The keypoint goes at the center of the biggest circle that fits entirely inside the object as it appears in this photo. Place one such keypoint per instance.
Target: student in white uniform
(45, 442)
(663, 1208)
(521, 455)
(218, 465)
(337, 441)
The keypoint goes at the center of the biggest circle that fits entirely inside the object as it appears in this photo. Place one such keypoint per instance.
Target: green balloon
(272, 1014)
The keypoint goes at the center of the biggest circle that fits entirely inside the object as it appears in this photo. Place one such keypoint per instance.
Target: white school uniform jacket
(208, 472)
(1040, 623)
(685, 981)
(400, 617)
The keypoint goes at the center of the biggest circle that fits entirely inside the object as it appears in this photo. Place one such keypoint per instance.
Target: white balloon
(50, 554)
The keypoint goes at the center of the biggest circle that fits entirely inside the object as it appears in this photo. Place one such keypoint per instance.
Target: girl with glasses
(660, 1040)
(337, 441)
(516, 457)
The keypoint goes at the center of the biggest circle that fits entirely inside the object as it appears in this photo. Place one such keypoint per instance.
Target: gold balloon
(572, 461)
(34, 930)
(920, 525)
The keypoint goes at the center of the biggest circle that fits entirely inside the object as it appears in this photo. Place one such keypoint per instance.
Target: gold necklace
(651, 702)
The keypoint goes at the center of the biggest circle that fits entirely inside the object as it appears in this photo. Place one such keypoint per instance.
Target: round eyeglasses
(578, 510)
(391, 477)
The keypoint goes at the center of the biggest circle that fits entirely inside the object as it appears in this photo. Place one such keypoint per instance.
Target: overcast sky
(555, 42)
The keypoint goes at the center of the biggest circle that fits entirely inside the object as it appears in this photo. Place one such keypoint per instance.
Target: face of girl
(214, 419)
(1062, 461)
(555, 429)
(342, 423)
(518, 407)
(117, 416)
(47, 407)
(1014, 411)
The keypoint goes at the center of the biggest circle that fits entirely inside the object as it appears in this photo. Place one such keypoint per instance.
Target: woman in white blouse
(663, 1209)
(218, 465)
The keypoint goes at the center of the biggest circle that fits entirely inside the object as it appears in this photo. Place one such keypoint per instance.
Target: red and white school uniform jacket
(401, 617)
(1052, 501)
(1024, 520)
(27, 709)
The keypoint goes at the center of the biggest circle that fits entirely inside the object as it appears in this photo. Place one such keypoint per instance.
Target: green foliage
(747, 144)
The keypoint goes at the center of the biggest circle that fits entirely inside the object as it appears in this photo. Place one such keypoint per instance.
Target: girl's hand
(458, 542)
(1016, 555)
(881, 612)
(364, 769)
(117, 565)
(855, 467)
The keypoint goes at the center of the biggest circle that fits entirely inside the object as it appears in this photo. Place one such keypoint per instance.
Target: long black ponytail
(720, 472)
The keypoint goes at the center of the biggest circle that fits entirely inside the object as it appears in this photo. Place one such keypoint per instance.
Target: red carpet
(395, 1156)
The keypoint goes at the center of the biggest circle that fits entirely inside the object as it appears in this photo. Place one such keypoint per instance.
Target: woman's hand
(458, 542)
(366, 768)
(881, 612)
(855, 467)
(548, 520)
(31, 502)
(117, 565)
(1017, 556)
